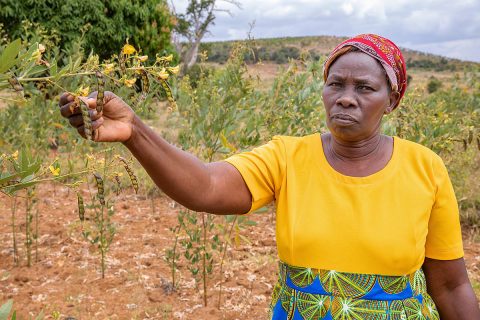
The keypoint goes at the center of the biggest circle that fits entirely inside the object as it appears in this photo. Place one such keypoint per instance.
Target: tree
(103, 24)
(193, 26)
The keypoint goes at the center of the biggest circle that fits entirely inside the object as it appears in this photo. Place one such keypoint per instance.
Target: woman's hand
(114, 124)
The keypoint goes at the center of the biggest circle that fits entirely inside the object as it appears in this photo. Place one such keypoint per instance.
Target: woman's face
(356, 95)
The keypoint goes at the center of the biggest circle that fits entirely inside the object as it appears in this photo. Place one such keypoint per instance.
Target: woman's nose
(347, 98)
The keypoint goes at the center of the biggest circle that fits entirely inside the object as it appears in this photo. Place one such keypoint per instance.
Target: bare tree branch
(193, 26)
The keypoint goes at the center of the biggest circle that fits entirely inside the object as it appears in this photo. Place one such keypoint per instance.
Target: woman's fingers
(91, 101)
(65, 98)
(95, 125)
(76, 120)
(69, 109)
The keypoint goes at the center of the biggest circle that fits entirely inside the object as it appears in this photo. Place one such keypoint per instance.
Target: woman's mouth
(343, 118)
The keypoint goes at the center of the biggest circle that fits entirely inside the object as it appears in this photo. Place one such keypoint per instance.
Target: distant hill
(280, 50)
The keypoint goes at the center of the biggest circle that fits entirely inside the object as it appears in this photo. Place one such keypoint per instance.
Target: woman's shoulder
(416, 151)
(298, 141)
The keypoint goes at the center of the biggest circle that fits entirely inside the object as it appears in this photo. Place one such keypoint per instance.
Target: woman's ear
(393, 102)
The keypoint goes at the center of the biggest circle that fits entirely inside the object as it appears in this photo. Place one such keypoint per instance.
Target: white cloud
(347, 8)
(437, 26)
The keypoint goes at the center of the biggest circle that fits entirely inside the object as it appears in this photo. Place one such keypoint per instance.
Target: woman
(367, 225)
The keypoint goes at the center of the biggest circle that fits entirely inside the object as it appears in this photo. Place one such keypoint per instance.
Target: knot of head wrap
(379, 48)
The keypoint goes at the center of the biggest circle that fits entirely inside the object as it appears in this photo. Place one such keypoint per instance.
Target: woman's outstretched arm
(214, 187)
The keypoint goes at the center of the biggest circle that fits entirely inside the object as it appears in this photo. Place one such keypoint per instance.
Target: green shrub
(433, 85)
(283, 54)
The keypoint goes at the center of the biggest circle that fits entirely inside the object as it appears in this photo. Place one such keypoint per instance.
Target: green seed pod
(100, 188)
(145, 82)
(168, 92)
(81, 207)
(145, 87)
(15, 84)
(9, 183)
(87, 121)
(131, 175)
(121, 63)
(100, 90)
(119, 185)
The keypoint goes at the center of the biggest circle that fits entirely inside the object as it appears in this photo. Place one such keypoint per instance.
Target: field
(156, 253)
(66, 280)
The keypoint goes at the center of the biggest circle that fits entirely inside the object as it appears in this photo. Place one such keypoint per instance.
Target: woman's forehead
(357, 63)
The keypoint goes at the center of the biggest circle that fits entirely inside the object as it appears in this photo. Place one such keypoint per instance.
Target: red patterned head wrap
(379, 48)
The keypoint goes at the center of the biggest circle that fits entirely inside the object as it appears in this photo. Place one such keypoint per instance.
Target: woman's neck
(356, 150)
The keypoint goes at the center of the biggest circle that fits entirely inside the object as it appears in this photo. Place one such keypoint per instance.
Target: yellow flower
(128, 49)
(82, 91)
(15, 155)
(36, 55)
(168, 58)
(108, 68)
(173, 70)
(129, 82)
(142, 58)
(55, 172)
(163, 74)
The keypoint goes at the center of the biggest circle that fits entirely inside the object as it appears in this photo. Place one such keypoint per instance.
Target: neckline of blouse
(370, 179)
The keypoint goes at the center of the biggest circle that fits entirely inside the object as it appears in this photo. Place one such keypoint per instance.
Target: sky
(450, 28)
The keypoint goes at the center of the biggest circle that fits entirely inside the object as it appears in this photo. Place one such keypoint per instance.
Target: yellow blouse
(385, 223)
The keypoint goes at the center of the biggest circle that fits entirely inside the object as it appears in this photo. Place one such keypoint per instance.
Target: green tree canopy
(105, 23)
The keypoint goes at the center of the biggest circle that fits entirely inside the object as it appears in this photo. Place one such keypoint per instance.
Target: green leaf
(20, 186)
(261, 210)
(250, 223)
(7, 177)
(5, 309)
(40, 316)
(7, 59)
(54, 68)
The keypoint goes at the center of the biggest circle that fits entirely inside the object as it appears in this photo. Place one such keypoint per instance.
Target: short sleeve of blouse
(263, 170)
(444, 238)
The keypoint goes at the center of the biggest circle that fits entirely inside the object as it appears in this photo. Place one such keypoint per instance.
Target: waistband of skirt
(352, 285)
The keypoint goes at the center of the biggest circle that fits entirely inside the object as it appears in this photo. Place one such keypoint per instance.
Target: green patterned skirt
(311, 294)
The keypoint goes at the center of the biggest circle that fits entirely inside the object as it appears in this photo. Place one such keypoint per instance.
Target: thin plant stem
(174, 266)
(225, 247)
(36, 234)
(204, 249)
(15, 249)
(28, 235)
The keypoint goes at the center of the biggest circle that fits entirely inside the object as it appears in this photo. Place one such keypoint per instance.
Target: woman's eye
(366, 88)
(334, 84)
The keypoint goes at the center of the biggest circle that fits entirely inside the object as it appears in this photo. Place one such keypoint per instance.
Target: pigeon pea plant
(29, 73)
(95, 218)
